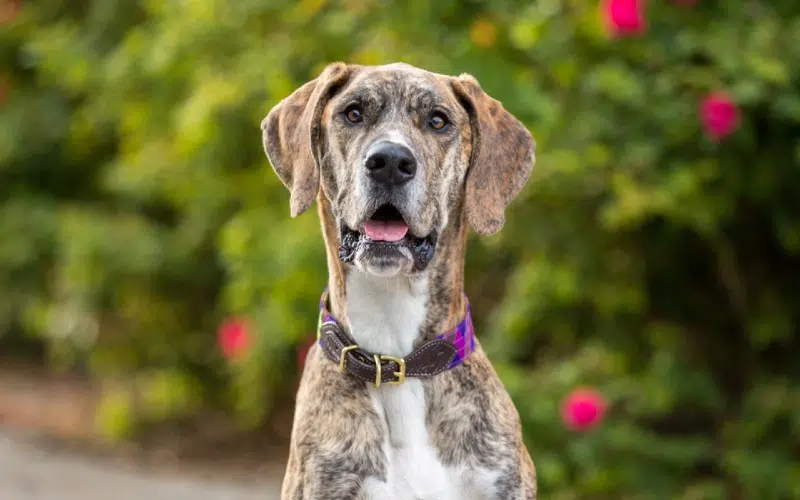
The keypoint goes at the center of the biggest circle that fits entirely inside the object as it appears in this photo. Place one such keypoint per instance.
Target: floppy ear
(502, 156)
(291, 133)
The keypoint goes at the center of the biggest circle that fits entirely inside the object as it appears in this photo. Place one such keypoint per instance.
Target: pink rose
(583, 409)
(234, 338)
(624, 17)
(719, 114)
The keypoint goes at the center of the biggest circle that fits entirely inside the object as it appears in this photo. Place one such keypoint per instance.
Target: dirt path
(31, 471)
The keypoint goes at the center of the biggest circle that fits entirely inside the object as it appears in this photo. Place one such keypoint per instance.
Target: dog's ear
(291, 133)
(502, 156)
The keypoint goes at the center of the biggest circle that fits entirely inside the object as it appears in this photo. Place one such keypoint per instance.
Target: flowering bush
(653, 255)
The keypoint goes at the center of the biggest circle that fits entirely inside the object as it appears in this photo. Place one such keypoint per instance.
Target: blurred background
(641, 304)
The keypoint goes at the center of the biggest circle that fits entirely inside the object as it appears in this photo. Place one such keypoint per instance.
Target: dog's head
(398, 152)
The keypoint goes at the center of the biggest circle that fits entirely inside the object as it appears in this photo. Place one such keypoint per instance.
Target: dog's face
(395, 153)
(391, 147)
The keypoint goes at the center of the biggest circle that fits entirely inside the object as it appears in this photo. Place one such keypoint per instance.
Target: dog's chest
(385, 317)
(413, 470)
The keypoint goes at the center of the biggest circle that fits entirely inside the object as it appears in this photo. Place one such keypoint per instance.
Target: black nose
(391, 164)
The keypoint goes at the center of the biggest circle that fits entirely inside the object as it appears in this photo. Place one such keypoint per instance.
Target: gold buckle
(377, 371)
(341, 355)
(401, 375)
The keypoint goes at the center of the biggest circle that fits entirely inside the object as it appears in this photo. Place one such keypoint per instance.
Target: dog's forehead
(400, 82)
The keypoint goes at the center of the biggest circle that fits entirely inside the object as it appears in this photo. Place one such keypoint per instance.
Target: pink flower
(719, 114)
(624, 17)
(302, 352)
(583, 409)
(234, 338)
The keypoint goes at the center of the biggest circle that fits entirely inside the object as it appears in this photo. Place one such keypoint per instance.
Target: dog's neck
(393, 316)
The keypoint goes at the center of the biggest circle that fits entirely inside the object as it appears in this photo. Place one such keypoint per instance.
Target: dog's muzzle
(386, 232)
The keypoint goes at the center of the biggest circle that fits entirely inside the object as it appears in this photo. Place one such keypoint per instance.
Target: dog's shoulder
(334, 408)
(473, 394)
(474, 423)
(336, 435)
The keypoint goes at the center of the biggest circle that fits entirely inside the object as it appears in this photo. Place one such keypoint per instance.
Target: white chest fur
(385, 316)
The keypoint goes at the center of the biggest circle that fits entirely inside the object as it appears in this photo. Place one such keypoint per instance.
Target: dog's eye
(438, 121)
(353, 114)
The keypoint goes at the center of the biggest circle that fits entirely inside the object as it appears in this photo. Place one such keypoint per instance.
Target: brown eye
(353, 114)
(438, 121)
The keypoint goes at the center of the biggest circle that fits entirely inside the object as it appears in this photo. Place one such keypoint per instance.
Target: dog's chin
(383, 259)
(386, 259)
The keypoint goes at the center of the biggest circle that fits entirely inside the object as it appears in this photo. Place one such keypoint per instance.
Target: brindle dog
(401, 162)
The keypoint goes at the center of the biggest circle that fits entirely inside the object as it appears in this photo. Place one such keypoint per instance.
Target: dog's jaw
(406, 254)
(385, 266)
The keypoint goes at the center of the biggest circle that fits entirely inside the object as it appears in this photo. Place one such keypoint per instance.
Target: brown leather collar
(431, 358)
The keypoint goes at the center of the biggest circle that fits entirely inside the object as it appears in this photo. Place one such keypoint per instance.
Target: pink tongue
(385, 230)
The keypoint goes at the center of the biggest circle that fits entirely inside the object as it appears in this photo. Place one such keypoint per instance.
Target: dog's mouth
(386, 233)
(386, 224)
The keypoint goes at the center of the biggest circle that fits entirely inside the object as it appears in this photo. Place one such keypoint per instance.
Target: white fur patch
(385, 316)
(398, 137)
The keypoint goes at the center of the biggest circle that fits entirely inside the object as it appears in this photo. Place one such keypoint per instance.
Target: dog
(397, 399)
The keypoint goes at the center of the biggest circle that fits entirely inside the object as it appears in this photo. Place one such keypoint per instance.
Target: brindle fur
(471, 174)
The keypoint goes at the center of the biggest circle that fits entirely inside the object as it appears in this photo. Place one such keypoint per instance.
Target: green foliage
(642, 259)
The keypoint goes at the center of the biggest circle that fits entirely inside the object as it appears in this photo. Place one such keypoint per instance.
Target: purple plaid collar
(462, 336)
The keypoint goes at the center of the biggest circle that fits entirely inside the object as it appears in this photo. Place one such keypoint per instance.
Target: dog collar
(446, 351)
